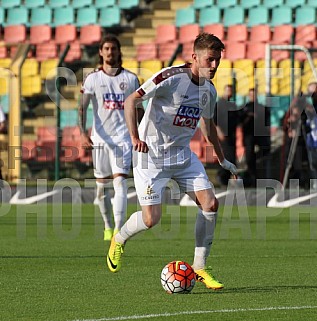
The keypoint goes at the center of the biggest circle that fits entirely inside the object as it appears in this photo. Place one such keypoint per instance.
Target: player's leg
(102, 171)
(149, 191)
(120, 159)
(199, 188)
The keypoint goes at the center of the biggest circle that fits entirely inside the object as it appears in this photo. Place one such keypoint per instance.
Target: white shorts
(150, 181)
(109, 160)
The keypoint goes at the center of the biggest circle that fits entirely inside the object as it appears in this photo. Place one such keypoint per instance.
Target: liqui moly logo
(113, 101)
(187, 117)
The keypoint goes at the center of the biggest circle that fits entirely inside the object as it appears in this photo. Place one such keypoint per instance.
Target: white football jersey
(108, 96)
(175, 106)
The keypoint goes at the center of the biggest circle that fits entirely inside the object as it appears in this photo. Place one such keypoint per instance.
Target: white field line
(148, 316)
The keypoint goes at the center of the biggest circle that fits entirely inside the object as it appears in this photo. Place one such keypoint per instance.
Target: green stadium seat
(63, 16)
(128, 4)
(281, 15)
(34, 3)
(258, 16)
(272, 3)
(105, 3)
(69, 118)
(185, 16)
(4, 102)
(10, 3)
(110, 17)
(58, 3)
(305, 16)
(226, 3)
(1, 16)
(209, 15)
(312, 3)
(17, 16)
(41, 16)
(86, 16)
(82, 3)
(295, 3)
(233, 16)
(201, 4)
(247, 4)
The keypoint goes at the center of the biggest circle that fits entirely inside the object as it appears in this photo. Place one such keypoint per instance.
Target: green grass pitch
(53, 268)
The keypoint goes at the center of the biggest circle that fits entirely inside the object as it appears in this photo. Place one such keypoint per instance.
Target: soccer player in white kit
(107, 88)
(179, 97)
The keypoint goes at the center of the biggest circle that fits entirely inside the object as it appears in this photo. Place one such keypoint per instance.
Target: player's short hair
(208, 41)
(112, 39)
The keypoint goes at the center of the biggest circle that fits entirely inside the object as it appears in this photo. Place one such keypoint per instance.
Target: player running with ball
(179, 97)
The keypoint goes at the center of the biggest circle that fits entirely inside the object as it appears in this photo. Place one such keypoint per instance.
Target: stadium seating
(10, 3)
(258, 16)
(227, 3)
(295, 3)
(82, 3)
(58, 3)
(305, 33)
(237, 33)
(17, 16)
(282, 34)
(235, 50)
(90, 34)
(46, 50)
(201, 4)
(74, 52)
(188, 33)
(166, 33)
(109, 17)
(63, 16)
(1, 16)
(40, 34)
(31, 85)
(128, 4)
(86, 16)
(30, 67)
(244, 73)
(185, 16)
(255, 50)
(146, 51)
(105, 3)
(166, 50)
(187, 51)
(48, 68)
(247, 4)
(217, 29)
(223, 76)
(14, 34)
(281, 15)
(305, 15)
(34, 3)
(260, 33)
(65, 34)
(284, 81)
(233, 16)
(272, 3)
(209, 15)
(41, 16)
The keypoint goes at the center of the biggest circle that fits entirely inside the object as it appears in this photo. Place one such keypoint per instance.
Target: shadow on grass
(261, 289)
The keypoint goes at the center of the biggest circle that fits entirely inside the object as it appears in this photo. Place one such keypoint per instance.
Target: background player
(178, 97)
(108, 87)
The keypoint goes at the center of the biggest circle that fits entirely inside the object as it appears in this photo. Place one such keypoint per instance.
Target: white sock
(205, 228)
(133, 226)
(119, 201)
(104, 204)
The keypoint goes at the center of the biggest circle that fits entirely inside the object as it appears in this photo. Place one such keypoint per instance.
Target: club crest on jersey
(123, 85)
(187, 116)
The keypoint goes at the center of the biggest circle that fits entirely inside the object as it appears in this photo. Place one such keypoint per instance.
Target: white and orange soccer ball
(178, 277)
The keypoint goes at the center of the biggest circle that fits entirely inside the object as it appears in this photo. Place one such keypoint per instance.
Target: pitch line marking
(148, 316)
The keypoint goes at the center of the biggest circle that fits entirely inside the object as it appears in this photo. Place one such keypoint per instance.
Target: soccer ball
(178, 277)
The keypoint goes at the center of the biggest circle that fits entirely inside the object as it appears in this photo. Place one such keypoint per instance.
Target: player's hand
(225, 164)
(86, 142)
(140, 146)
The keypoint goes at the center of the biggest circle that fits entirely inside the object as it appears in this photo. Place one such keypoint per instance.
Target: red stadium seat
(260, 33)
(14, 34)
(65, 34)
(300, 55)
(4, 52)
(47, 50)
(40, 34)
(165, 33)
(188, 33)
(187, 51)
(255, 50)
(237, 33)
(70, 144)
(215, 28)
(305, 33)
(28, 150)
(282, 34)
(235, 50)
(74, 52)
(46, 142)
(166, 50)
(146, 51)
(90, 34)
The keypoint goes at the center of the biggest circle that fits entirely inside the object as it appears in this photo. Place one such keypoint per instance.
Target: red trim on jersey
(141, 92)
(166, 73)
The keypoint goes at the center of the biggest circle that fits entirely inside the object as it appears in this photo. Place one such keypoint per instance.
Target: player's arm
(82, 118)
(209, 131)
(130, 114)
